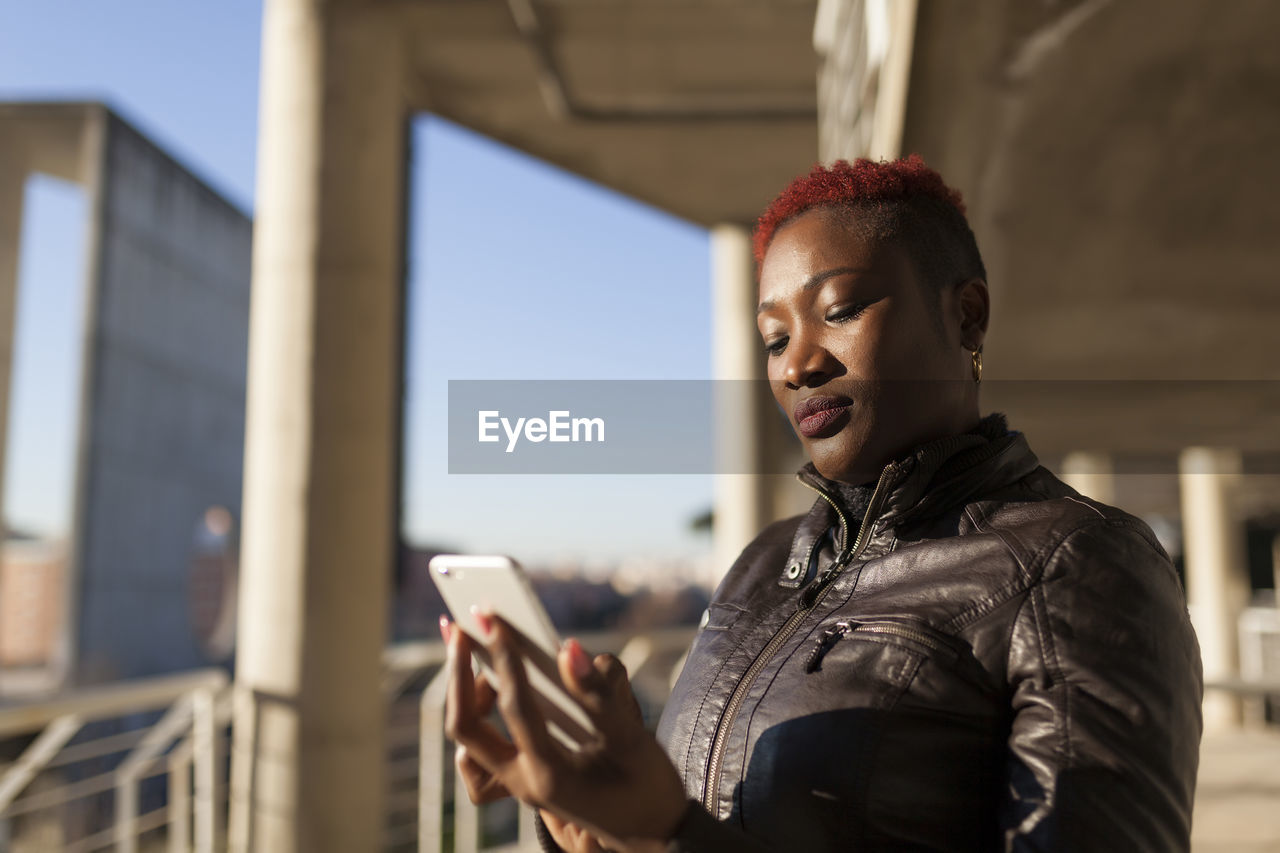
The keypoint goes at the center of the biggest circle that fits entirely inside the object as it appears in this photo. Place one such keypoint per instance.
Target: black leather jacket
(971, 656)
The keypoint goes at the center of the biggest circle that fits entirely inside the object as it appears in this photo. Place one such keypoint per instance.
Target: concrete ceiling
(1120, 164)
(1118, 158)
(705, 108)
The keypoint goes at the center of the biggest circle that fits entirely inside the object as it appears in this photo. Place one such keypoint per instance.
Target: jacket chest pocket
(848, 733)
(883, 654)
(816, 733)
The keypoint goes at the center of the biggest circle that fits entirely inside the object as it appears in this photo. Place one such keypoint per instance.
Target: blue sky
(557, 278)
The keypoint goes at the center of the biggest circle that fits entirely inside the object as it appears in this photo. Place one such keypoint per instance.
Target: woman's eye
(775, 347)
(845, 312)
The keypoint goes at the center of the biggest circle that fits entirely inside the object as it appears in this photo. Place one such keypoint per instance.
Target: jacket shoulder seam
(1053, 666)
(1031, 569)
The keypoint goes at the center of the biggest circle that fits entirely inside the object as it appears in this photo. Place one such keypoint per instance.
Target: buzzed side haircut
(894, 201)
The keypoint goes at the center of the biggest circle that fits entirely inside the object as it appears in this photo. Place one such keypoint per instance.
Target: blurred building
(140, 585)
(32, 577)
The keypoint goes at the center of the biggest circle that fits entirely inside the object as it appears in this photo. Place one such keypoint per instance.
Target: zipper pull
(829, 638)
(809, 593)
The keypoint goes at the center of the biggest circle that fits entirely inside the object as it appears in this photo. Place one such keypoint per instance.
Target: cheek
(777, 383)
(860, 351)
(900, 355)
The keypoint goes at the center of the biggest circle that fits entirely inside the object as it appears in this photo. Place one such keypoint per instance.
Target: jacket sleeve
(1106, 689)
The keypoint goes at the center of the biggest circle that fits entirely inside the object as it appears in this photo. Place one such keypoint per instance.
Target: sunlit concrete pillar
(322, 427)
(1091, 474)
(1275, 566)
(12, 188)
(738, 365)
(1217, 579)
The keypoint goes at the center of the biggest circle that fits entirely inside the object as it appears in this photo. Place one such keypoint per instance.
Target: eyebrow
(817, 279)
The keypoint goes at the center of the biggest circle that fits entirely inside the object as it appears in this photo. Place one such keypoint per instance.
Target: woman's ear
(974, 303)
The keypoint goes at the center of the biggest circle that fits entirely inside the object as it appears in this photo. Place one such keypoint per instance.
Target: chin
(843, 460)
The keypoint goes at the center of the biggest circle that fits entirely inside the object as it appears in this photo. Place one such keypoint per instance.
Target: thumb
(576, 669)
(599, 684)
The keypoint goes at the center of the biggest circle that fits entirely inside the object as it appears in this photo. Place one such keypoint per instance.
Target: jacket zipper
(844, 519)
(844, 628)
(901, 631)
(808, 601)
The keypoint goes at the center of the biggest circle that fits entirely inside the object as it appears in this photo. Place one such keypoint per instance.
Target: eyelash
(847, 313)
(840, 317)
(776, 347)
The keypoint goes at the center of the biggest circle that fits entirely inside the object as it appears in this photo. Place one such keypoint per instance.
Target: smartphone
(498, 585)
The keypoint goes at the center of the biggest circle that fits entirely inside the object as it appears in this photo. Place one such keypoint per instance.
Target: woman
(952, 650)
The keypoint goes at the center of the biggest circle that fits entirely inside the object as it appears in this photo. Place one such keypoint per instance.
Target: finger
(462, 690)
(462, 720)
(583, 841)
(622, 699)
(615, 675)
(517, 701)
(568, 835)
(580, 676)
(600, 685)
(484, 696)
(482, 786)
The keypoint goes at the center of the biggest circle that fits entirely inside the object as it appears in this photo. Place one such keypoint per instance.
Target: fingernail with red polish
(579, 663)
(444, 628)
(483, 620)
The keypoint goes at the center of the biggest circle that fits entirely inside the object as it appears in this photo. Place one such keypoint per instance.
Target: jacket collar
(929, 480)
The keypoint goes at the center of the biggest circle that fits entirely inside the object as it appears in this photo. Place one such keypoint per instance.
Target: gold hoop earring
(977, 366)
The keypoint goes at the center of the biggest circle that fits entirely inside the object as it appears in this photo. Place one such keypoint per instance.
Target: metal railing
(140, 766)
(108, 741)
(89, 761)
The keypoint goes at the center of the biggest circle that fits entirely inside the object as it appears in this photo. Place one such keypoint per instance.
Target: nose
(807, 364)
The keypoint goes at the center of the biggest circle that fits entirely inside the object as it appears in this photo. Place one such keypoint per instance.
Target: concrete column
(895, 76)
(320, 495)
(1091, 474)
(1275, 567)
(1217, 579)
(738, 366)
(12, 190)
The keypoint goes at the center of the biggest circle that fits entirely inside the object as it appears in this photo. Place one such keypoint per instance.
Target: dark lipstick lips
(815, 415)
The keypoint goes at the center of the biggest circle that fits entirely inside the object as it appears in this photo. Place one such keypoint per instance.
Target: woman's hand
(569, 836)
(483, 788)
(621, 788)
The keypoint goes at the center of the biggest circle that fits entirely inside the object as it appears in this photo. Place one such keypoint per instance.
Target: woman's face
(866, 362)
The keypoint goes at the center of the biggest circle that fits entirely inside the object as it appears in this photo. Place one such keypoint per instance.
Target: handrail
(186, 743)
(109, 700)
(195, 706)
(1245, 686)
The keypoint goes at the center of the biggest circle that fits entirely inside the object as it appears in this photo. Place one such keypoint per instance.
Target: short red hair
(845, 184)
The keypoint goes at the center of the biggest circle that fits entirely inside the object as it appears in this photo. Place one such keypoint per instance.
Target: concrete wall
(164, 405)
